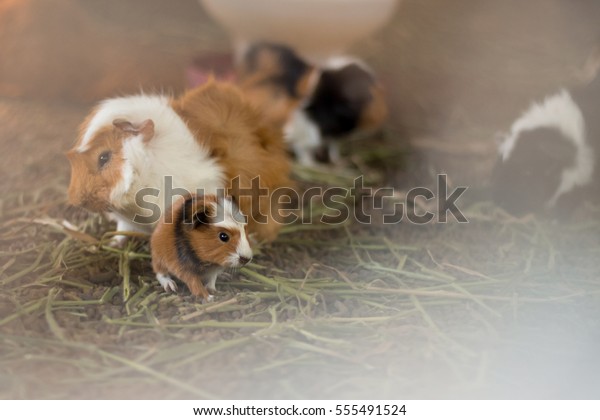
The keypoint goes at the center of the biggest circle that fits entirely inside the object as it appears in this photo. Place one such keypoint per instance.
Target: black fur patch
(532, 174)
(292, 67)
(340, 99)
(184, 223)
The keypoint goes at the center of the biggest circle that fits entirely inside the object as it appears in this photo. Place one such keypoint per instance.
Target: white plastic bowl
(316, 28)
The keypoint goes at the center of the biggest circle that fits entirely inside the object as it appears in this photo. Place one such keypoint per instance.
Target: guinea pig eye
(223, 237)
(103, 159)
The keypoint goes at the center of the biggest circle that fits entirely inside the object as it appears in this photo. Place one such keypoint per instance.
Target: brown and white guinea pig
(196, 240)
(318, 105)
(548, 160)
(132, 150)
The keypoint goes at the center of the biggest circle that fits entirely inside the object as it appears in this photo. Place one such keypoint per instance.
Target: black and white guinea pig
(196, 240)
(346, 99)
(549, 157)
(315, 105)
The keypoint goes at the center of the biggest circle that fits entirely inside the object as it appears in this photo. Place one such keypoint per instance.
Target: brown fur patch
(273, 102)
(266, 62)
(90, 185)
(272, 99)
(376, 111)
(247, 147)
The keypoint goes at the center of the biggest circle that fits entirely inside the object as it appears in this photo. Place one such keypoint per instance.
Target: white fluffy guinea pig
(549, 158)
(196, 240)
(132, 150)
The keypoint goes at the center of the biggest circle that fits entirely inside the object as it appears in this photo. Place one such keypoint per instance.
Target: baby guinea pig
(198, 238)
(346, 100)
(316, 105)
(548, 160)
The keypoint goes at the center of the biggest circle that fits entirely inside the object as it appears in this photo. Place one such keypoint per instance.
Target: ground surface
(498, 307)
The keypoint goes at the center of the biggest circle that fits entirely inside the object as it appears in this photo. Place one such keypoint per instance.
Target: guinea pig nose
(244, 260)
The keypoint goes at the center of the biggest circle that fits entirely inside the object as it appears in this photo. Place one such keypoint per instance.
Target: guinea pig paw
(208, 299)
(170, 287)
(167, 283)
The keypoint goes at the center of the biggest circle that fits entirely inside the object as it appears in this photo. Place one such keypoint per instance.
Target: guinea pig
(196, 240)
(135, 153)
(548, 159)
(346, 100)
(315, 105)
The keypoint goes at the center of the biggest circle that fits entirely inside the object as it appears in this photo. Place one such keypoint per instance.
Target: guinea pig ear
(145, 128)
(308, 82)
(203, 216)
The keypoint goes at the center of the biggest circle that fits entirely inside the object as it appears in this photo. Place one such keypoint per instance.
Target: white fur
(131, 108)
(166, 282)
(227, 224)
(341, 61)
(335, 155)
(124, 225)
(127, 173)
(243, 248)
(558, 111)
(233, 220)
(304, 136)
(211, 283)
(173, 151)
